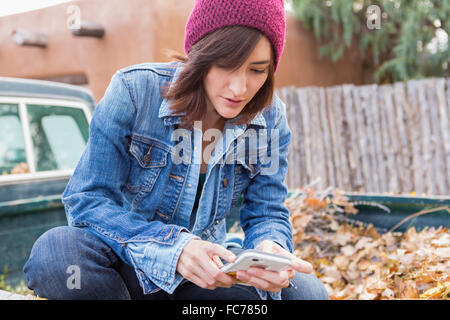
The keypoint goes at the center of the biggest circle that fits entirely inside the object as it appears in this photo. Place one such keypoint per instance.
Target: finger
(291, 273)
(301, 265)
(267, 246)
(192, 277)
(216, 249)
(257, 282)
(206, 269)
(203, 268)
(202, 284)
(277, 279)
(218, 262)
(207, 273)
(286, 283)
(217, 275)
(296, 263)
(220, 265)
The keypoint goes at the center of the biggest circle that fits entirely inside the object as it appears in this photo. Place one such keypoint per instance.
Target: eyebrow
(261, 62)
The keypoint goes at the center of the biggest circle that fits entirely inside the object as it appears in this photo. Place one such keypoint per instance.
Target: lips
(235, 101)
(232, 102)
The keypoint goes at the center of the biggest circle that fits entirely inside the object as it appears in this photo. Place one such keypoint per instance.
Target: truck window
(59, 135)
(12, 142)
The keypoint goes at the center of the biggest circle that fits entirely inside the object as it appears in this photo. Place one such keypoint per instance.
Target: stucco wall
(141, 31)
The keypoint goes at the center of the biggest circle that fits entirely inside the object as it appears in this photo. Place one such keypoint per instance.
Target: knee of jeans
(308, 287)
(46, 253)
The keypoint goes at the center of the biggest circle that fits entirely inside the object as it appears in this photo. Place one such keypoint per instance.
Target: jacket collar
(175, 118)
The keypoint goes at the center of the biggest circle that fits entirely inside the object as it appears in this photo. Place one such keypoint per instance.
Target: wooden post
(428, 145)
(28, 38)
(352, 140)
(318, 159)
(360, 98)
(299, 174)
(331, 144)
(326, 139)
(338, 129)
(439, 183)
(302, 113)
(444, 116)
(401, 121)
(415, 134)
(379, 166)
(393, 151)
(88, 29)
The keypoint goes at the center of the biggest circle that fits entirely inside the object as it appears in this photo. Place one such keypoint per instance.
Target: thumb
(297, 263)
(301, 265)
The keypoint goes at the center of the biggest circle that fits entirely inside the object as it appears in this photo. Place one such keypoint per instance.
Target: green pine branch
(411, 41)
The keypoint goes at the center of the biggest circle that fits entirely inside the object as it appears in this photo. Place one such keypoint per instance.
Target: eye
(259, 70)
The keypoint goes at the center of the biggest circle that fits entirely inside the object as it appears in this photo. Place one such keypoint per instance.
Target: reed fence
(371, 138)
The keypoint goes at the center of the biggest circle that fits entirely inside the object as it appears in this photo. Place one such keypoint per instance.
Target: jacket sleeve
(263, 214)
(93, 198)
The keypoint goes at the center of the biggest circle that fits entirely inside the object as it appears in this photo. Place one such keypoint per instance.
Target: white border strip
(37, 176)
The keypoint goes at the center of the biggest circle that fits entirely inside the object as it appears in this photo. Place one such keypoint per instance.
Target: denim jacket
(131, 189)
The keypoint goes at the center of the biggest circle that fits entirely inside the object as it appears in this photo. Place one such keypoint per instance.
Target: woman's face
(229, 91)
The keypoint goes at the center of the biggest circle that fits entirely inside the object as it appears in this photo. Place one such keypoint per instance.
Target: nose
(238, 84)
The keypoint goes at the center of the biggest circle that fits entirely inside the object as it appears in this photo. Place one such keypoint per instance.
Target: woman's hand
(271, 280)
(200, 263)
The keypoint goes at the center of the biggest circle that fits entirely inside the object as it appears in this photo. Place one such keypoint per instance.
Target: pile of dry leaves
(356, 262)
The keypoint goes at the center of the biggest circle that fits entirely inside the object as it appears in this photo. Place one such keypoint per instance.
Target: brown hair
(227, 47)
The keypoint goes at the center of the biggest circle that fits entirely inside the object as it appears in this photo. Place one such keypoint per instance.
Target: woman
(146, 205)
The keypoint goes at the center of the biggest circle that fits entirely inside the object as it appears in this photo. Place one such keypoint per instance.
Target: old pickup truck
(44, 128)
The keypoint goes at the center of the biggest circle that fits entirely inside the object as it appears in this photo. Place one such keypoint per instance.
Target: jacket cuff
(282, 243)
(158, 261)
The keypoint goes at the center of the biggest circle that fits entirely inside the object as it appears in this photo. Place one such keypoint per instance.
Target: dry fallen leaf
(357, 262)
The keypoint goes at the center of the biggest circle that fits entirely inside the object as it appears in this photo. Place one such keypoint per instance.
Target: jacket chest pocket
(244, 172)
(146, 161)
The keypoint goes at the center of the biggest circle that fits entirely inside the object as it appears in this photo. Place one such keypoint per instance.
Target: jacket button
(225, 182)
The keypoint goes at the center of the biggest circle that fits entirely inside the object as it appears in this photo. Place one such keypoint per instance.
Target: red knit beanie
(266, 15)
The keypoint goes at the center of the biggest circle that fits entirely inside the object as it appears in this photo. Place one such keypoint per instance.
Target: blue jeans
(73, 263)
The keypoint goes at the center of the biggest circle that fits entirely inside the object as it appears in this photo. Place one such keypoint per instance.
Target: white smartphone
(259, 259)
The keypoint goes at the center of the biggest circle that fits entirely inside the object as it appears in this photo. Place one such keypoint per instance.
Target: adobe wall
(141, 31)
